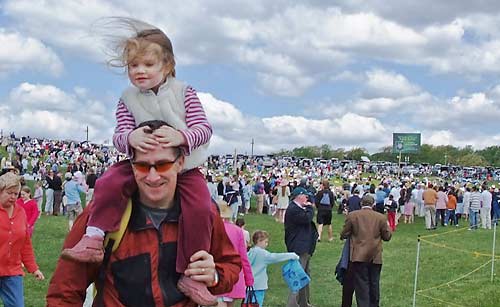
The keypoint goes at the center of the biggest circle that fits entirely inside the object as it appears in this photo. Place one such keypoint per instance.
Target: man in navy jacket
(300, 237)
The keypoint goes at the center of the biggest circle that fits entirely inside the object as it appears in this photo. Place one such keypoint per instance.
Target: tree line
(465, 156)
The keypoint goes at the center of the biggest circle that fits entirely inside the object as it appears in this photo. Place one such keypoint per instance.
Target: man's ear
(180, 162)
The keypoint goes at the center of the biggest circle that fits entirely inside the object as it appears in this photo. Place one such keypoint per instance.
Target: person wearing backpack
(325, 201)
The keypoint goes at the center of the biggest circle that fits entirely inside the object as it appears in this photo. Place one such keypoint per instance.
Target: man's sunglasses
(160, 167)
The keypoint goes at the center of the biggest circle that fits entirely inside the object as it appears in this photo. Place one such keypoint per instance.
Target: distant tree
(326, 151)
(385, 154)
(491, 155)
(356, 153)
(472, 160)
(431, 154)
(338, 153)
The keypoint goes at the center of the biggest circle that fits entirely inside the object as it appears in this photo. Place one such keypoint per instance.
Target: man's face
(301, 199)
(157, 187)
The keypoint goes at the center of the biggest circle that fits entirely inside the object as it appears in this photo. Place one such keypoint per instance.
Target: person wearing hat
(366, 229)
(300, 237)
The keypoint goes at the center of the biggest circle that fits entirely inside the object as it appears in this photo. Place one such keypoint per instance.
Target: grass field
(464, 251)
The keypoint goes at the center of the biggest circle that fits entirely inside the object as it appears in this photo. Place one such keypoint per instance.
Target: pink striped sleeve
(125, 123)
(199, 130)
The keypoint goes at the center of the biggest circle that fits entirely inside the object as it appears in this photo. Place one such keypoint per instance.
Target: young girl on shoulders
(155, 94)
(260, 258)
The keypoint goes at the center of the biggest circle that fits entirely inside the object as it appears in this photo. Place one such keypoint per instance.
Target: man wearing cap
(300, 237)
(366, 230)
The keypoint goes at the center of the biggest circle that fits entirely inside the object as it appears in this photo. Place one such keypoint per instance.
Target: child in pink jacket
(236, 236)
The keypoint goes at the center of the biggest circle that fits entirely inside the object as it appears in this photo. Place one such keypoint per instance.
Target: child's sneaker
(88, 249)
(197, 291)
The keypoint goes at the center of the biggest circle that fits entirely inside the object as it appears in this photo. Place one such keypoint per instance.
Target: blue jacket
(72, 190)
(353, 203)
(259, 259)
(300, 231)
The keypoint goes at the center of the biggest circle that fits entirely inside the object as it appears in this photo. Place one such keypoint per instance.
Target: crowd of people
(440, 203)
(154, 204)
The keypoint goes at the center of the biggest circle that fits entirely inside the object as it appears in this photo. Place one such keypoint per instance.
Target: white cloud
(347, 75)
(285, 50)
(42, 97)
(284, 86)
(47, 111)
(18, 53)
(386, 84)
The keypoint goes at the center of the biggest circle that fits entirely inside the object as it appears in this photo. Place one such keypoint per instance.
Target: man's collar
(139, 220)
(300, 206)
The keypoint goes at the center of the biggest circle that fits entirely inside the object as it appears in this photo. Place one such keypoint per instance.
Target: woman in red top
(30, 207)
(15, 244)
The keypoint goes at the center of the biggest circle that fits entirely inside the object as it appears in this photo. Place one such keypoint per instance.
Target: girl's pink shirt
(235, 234)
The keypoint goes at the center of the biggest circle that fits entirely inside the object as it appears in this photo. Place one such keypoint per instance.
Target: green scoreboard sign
(406, 142)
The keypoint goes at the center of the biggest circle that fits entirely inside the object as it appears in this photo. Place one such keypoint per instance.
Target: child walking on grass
(155, 94)
(260, 258)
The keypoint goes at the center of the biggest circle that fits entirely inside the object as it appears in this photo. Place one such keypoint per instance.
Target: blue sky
(286, 73)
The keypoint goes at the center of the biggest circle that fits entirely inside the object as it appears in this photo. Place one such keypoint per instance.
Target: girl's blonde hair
(9, 180)
(126, 38)
(259, 235)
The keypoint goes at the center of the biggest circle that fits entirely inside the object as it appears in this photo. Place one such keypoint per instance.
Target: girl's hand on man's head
(142, 139)
(169, 137)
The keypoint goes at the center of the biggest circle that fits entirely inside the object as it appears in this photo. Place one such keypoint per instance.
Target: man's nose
(153, 174)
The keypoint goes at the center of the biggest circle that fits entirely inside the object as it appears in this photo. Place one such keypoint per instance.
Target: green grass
(438, 265)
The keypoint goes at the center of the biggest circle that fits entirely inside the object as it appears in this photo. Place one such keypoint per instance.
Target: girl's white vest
(167, 105)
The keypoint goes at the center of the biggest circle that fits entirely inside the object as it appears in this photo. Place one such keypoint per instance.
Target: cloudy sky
(285, 73)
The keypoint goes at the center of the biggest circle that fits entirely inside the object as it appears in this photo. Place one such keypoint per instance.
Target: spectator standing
(354, 202)
(38, 195)
(300, 237)
(324, 201)
(49, 192)
(366, 230)
(485, 211)
(260, 258)
(57, 186)
(30, 207)
(259, 194)
(441, 205)
(451, 207)
(212, 187)
(495, 204)
(72, 189)
(475, 206)
(391, 206)
(380, 196)
(90, 180)
(16, 250)
(430, 198)
(236, 236)
(283, 194)
(467, 194)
